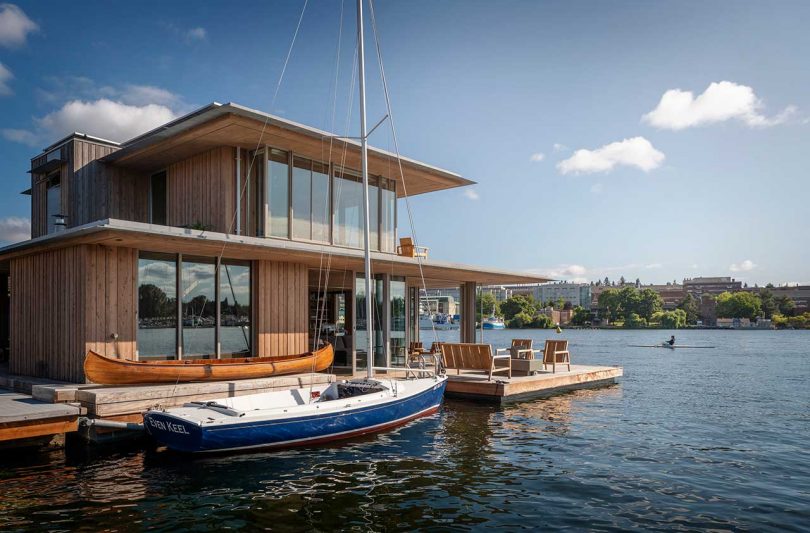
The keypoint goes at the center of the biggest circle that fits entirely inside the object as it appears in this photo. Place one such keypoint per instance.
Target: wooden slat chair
(556, 352)
(415, 347)
(463, 356)
(407, 248)
(520, 349)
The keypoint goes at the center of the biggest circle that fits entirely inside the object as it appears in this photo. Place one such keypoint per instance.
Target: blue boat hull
(184, 436)
(493, 326)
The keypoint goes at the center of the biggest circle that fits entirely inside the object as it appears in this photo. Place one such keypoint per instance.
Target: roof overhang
(112, 232)
(234, 125)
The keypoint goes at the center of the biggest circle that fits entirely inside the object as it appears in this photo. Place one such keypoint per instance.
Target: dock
(476, 386)
(24, 419)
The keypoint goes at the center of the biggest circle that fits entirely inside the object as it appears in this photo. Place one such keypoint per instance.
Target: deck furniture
(415, 347)
(407, 248)
(463, 356)
(524, 360)
(556, 352)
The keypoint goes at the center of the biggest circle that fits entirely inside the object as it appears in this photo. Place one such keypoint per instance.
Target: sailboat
(309, 415)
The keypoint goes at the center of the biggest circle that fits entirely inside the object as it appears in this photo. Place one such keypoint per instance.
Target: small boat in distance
(110, 371)
(493, 322)
(666, 345)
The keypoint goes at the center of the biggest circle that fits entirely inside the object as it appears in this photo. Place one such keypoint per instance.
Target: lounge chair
(407, 248)
(463, 356)
(556, 352)
(524, 360)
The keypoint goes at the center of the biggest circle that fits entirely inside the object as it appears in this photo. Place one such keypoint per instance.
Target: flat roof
(122, 233)
(235, 125)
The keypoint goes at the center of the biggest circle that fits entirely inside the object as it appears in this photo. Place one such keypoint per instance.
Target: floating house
(227, 232)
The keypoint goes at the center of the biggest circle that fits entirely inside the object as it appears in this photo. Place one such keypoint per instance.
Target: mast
(367, 220)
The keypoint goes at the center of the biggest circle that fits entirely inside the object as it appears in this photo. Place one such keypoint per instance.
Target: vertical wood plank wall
(281, 293)
(66, 301)
(201, 190)
(86, 187)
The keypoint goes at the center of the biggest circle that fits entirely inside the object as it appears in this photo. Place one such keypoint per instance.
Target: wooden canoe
(110, 371)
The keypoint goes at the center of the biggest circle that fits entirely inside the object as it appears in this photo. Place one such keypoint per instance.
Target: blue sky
(675, 137)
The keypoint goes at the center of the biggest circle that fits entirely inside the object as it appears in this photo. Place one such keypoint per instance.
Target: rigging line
(249, 169)
(321, 313)
(396, 148)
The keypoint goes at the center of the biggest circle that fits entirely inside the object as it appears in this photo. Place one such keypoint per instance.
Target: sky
(651, 140)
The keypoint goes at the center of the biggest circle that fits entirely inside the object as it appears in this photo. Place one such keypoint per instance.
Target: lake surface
(701, 439)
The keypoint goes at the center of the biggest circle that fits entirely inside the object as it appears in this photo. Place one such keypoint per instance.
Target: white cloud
(15, 229)
(653, 265)
(559, 147)
(196, 34)
(471, 194)
(635, 152)
(721, 101)
(5, 77)
(21, 136)
(114, 113)
(536, 158)
(14, 26)
(745, 266)
(597, 188)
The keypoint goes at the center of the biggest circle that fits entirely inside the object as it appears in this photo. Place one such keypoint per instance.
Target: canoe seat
(466, 356)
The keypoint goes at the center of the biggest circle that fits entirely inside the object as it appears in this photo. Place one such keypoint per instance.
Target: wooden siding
(85, 186)
(129, 195)
(201, 190)
(281, 296)
(66, 301)
(86, 193)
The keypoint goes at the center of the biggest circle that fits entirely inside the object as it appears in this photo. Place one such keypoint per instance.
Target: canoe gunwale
(105, 370)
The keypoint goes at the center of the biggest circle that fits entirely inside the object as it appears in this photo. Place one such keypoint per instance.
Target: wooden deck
(23, 417)
(475, 386)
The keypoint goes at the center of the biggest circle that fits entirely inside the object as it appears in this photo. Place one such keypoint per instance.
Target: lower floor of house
(141, 304)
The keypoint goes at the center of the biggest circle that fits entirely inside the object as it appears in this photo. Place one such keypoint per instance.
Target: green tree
(649, 302)
(671, 319)
(633, 320)
(739, 305)
(542, 322)
(769, 306)
(520, 320)
(629, 301)
(689, 305)
(486, 302)
(581, 316)
(785, 305)
(518, 304)
(609, 303)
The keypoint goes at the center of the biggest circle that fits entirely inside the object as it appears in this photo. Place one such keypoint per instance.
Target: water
(702, 439)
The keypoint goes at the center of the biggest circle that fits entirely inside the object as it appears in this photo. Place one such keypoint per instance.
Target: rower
(671, 341)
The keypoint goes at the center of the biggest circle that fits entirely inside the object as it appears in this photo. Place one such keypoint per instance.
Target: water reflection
(677, 445)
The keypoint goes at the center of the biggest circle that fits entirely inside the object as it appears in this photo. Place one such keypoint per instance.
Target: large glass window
(310, 200)
(302, 199)
(158, 329)
(53, 200)
(157, 307)
(348, 210)
(234, 308)
(199, 307)
(397, 341)
(388, 218)
(361, 337)
(349, 221)
(321, 211)
(278, 187)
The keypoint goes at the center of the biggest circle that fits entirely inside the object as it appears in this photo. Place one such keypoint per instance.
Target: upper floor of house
(229, 169)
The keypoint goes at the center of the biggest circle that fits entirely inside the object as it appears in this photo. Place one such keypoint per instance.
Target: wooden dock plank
(22, 417)
(500, 389)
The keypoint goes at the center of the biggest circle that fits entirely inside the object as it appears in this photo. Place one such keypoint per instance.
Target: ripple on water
(686, 441)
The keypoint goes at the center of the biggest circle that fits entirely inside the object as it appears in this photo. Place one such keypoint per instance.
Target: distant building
(577, 294)
(713, 286)
(707, 310)
(671, 294)
(733, 323)
(800, 294)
